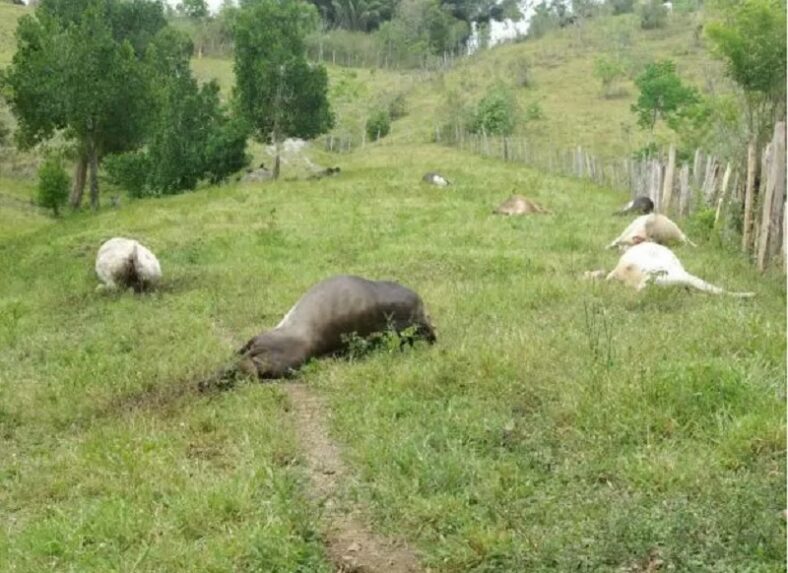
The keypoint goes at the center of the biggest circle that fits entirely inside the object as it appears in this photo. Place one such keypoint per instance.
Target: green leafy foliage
(130, 171)
(496, 113)
(191, 136)
(52, 184)
(621, 6)
(195, 9)
(751, 41)
(608, 71)
(378, 124)
(662, 94)
(78, 67)
(277, 91)
(225, 149)
(653, 15)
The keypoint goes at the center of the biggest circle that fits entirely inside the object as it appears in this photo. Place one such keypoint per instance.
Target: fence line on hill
(758, 193)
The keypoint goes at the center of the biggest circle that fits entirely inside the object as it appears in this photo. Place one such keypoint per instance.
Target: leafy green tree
(78, 69)
(608, 71)
(662, 94)
(191, 137)
(277, 91)
(496, 113)
(195, 9)
(52, 184)
(751, 41)
(378, 125)
(653, 15)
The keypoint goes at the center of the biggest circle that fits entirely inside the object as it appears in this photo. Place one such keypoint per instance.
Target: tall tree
(78, 68)
(750, 38)
(662, 94)
(277, 91)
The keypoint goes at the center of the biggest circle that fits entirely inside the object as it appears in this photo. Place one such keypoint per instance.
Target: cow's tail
(702, 285)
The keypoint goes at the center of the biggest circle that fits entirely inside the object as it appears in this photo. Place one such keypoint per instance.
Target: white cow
(125, 263)
(652, 227)
(652, 263)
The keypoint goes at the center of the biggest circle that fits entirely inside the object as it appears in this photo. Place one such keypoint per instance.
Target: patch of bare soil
(351, 544)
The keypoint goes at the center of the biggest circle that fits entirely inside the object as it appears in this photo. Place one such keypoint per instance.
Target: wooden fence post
(773, 198)
(667, 184)
(778, 200)
(696, 169)
(723, 192)
(684, 198)
(749, 195)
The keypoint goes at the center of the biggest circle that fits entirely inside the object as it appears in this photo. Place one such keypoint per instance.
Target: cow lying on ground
(435, 179)
(519, 205)
(652, 263)
(655, 228)
(327, 172)
(642, 205)
(321, 322)
(125, 263)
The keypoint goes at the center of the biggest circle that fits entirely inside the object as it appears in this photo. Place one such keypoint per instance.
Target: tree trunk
(80, 172)
(276, 163)
(94, 186)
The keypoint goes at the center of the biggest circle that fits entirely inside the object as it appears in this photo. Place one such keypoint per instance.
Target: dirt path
(351, 545)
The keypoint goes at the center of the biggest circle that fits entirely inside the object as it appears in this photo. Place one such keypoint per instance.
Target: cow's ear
(637, 239)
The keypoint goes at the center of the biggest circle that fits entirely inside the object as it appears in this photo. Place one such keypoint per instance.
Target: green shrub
(397, 107)
(130, 171)
(52, 184)
(653, 15)
(496, 113)
(378, 125)
(622, 6)
(534, 112)
(225, 150)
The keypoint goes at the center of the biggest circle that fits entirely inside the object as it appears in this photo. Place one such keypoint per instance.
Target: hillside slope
(556, 425)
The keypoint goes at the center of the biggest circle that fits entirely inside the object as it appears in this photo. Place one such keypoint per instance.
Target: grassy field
(557, 425)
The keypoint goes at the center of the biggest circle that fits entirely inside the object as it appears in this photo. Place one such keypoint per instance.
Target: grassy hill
(557, 424)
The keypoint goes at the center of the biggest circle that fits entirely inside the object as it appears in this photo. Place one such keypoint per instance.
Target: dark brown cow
(320, 323)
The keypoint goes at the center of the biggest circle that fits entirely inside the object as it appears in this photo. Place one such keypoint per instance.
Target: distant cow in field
(436, 179)
(655, 228)
(642, 205)
(519, 205)
(328, 172)
(125, 263)
(647, 263)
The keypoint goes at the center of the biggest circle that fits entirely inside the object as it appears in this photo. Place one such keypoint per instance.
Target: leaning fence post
(774, 172)
(723, 192)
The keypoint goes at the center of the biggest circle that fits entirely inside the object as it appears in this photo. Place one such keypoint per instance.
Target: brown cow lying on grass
(519, 205)
(321, 322)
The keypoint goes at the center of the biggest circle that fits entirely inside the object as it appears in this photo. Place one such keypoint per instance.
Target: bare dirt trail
(351, 544)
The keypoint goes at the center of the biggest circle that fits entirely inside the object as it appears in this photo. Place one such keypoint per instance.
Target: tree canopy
(277, 91)
(662, 94)
(78, 68)
(751, 40)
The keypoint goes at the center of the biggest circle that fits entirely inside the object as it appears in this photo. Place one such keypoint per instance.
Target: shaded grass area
(556, 425)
